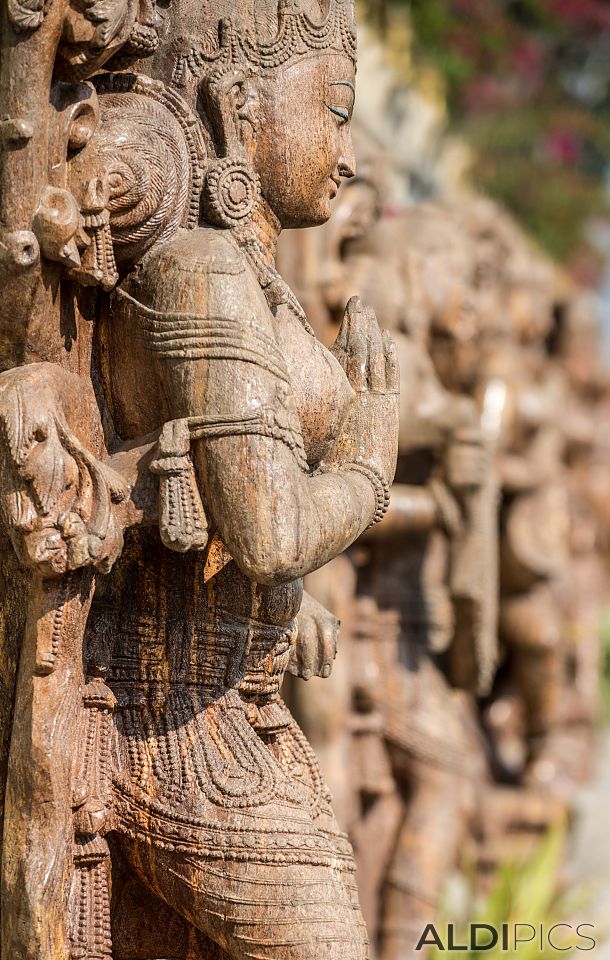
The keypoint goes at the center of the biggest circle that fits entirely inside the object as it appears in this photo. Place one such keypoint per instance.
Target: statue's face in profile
(456, 321)
(530, 311)
(305, 144)
(357, 209)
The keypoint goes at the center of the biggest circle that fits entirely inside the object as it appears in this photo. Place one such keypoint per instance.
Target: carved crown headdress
(264, 34)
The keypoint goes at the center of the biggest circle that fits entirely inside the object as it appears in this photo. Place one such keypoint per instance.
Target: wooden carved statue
(177, 451)
(423, 623)
(432, 574)
(502, 360)
(582, 592)
(503, 363)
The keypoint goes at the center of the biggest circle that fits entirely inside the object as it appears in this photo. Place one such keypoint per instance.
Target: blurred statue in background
(423, 622)
(516, 371)
(499, 359)
(178, 450)
(582, 593)
(499, 368)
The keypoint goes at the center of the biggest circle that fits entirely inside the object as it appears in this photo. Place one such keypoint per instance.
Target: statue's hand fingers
(327, 644)
(392, 369)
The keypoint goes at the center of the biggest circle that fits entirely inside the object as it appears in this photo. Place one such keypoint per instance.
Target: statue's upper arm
(204, 318)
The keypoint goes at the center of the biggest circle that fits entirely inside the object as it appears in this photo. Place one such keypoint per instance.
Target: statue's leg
(146, 928)
(265, 873)
(256, 910)
(374, 839)
(428, 750)
(294, 753)
(143, 926)
(533, 630)
(426, 850)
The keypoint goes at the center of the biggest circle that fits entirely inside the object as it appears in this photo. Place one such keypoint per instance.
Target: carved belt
(212, 656)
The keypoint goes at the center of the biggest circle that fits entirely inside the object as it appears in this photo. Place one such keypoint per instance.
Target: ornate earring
(97, 265)
(231, 193)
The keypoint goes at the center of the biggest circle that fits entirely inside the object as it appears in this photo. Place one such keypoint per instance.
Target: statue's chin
(307, 218)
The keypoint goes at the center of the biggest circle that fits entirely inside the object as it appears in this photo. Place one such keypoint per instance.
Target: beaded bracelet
(380, 487)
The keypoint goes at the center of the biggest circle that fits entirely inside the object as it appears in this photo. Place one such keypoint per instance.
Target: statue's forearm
(278, 522)
(412, 508)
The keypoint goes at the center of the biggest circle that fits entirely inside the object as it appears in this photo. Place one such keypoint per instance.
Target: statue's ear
(232, 105)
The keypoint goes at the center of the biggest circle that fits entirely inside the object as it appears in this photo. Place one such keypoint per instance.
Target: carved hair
(153, 153)
(164, 160)
(260, 34)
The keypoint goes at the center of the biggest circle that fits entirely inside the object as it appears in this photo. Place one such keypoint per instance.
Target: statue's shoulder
(200, 271)
(206, 251)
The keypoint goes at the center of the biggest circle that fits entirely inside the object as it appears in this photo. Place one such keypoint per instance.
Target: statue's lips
(334, 187)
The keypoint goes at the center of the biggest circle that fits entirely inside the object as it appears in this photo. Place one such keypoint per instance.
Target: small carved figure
(519, 397)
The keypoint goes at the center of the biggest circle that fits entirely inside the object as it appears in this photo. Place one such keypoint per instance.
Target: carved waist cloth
(152, 659)
(193, 772)
(196, 777)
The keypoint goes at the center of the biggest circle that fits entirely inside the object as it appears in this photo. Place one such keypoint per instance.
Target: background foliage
(527, 84)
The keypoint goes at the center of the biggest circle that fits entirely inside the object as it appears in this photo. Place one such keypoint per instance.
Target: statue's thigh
(253, 910)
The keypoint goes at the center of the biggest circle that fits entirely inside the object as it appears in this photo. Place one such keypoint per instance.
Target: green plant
(605, 664)
(524, 892)
(527, 85)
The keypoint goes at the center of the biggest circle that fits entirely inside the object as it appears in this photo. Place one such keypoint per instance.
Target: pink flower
(564, 147)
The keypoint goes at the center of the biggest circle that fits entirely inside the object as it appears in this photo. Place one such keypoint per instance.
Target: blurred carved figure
(574, 352)
(177, 451)
(423, 622)
(503, 463)
(539, 719)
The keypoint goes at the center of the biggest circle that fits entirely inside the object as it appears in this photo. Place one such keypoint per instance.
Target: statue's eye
(340, 100)
(340, 112)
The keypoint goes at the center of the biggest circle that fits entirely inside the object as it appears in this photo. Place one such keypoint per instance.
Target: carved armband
(275, 422)
(380, 487)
